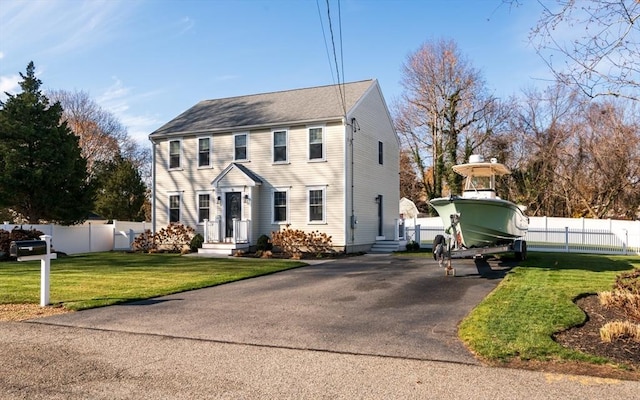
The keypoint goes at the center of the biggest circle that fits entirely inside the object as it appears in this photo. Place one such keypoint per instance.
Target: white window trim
(273, 145)
(234, 146)
(179, 194)
(169, 155)
(324, 144)
(210, 151)
(211, 204)
(324, 204)
(273, 206)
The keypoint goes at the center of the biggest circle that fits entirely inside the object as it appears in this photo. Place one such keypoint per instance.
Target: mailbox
(25, 248)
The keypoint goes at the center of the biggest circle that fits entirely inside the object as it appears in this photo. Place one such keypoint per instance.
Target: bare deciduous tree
(597, 41)
(602, 168)
(543, 126)
(102, 136)
(578, 158)
(99, 131)
(444, 114)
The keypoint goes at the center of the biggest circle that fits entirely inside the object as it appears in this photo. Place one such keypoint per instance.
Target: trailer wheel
(522, 254)
(438, 247)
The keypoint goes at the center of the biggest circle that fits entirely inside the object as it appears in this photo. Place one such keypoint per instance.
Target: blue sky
(146, 61)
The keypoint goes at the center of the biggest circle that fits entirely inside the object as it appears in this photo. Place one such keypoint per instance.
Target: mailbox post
(27, 250)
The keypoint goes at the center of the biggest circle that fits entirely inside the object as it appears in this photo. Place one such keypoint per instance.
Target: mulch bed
(586, 338)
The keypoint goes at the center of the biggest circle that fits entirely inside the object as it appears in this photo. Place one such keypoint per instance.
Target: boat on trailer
(478, 221)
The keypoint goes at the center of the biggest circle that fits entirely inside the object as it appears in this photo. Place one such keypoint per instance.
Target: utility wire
(340, 84)
(324, 37)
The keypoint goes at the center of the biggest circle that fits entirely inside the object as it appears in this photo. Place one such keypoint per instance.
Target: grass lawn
(534, 301)
(100, 279)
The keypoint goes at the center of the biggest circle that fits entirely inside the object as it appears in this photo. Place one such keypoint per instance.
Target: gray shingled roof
(300, 105)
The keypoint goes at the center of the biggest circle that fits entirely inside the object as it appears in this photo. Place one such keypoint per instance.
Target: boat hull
(482, 222)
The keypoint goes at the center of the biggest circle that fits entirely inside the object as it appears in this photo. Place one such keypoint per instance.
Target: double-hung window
(280, 202)
(241, 146)
(204, 201)
(174, 154)
(280, 146)
(204, 152)
(174, 208)
(317, 199)
(316, 144)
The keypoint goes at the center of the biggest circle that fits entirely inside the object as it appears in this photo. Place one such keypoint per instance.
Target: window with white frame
(174, 208)
(241, 146)
(280, 146)
(204, 207)
(316, 197)
(280, 201)
(174, 154)
(316, 143)
(204, 152)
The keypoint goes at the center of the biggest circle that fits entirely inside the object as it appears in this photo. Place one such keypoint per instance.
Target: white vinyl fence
(570, 235)
(89, 237)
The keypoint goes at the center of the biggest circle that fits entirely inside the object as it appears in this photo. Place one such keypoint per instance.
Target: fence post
(546, 229)
(206, 230)
(417, 233)
(625, 246)
(132, 236)
(566, 239)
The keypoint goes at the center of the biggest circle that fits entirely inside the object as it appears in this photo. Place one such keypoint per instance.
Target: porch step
(222, 248)
(385, 246)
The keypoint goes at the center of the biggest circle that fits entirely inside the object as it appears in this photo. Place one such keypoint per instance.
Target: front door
(233, 210)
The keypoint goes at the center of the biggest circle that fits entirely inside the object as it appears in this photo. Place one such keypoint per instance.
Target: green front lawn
(534, 301)
(100, 279)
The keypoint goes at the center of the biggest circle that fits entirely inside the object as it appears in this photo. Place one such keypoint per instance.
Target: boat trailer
(445, 248)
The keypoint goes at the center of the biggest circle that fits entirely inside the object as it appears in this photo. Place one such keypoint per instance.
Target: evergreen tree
(42, 173)
(121, 192)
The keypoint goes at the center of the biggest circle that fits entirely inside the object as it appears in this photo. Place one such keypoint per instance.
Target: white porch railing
(214, 231)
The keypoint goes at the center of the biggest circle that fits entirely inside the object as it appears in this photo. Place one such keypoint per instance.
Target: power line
(340, 84)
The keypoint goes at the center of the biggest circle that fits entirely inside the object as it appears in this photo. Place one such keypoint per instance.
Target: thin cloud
(117, 98)
(9, 84)
(58, 27)
(186, 24)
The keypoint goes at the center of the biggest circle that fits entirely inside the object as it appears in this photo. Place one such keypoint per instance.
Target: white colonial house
(316, 159)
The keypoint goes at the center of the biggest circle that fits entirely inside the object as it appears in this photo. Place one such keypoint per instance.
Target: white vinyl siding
(300, 173)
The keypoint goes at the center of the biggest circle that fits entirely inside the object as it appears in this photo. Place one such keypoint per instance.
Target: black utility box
(24, 248)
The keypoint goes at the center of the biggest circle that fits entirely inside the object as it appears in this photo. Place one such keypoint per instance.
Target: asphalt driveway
(373, 305)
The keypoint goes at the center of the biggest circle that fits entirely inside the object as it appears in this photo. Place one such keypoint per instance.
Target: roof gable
(286, 107)
(234, 173)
